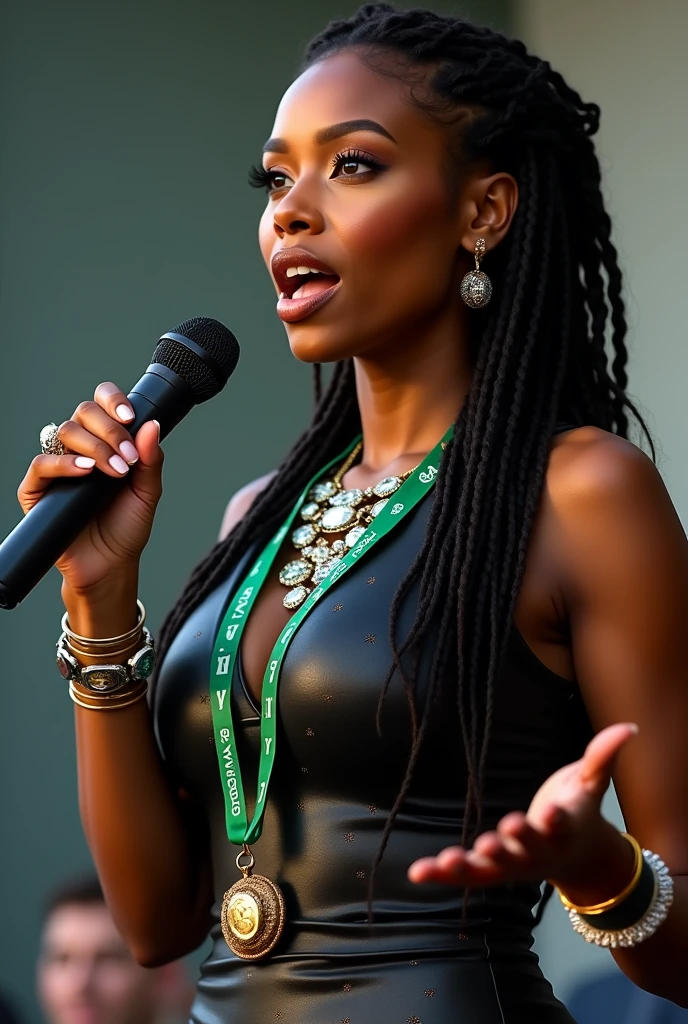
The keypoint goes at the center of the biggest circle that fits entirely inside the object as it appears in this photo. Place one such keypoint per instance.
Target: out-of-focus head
(86, 974)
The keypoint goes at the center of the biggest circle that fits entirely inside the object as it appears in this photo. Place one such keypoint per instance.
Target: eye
(56, 959)
(353, 164)
(271, 181)
(113, 957)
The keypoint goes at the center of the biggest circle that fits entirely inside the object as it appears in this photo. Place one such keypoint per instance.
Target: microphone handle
(54, 522)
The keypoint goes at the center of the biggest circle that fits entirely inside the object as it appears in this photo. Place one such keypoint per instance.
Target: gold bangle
(107, 707)
(107, 698)
(106, 655)
(104, 641)
(600, 908)
(109, 703)
(132, 686)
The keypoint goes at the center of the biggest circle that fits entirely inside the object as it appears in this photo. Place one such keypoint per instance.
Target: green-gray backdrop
(126, 131)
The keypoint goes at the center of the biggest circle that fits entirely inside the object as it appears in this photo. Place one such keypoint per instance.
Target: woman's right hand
(111, 545)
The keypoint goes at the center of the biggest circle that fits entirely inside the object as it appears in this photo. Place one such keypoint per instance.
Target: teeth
(293, 271)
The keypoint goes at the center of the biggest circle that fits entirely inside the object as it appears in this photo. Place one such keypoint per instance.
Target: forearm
(156, 881)
(658, 963)
(154, 871)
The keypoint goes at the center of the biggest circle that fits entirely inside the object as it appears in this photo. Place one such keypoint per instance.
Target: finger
(146, 475)
(114, 402)
(431, 869)
(536, 843)
(93, 433)
(148, 444)
(503, 850)
(489, 869)
(46, 468)
(598, 759)
(456, 866)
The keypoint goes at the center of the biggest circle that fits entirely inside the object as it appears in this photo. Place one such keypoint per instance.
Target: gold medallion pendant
(253, 913)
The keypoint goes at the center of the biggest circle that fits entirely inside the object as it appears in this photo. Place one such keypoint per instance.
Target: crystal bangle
(654, 914)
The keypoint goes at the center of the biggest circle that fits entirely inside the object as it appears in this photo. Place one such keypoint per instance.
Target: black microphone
(190, 365)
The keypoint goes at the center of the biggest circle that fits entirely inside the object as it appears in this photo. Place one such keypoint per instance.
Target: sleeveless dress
(333, 784)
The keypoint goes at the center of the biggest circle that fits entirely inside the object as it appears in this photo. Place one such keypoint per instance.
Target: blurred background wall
(126, 131)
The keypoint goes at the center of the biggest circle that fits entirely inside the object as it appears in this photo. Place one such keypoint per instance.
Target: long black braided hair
(540, 357)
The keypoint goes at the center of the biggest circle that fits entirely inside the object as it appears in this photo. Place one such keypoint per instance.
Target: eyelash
(258, 177)
(356, 156)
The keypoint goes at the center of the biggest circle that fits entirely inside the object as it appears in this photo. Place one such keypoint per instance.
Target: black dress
(333, 784)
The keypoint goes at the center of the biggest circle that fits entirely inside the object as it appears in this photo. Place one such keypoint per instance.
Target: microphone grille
(205, 380)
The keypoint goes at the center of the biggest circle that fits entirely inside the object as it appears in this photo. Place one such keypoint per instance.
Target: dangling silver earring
(476, 287)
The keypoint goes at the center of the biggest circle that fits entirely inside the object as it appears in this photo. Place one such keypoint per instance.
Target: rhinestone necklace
(331, 509)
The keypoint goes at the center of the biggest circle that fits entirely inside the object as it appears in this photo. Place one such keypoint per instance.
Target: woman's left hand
(556, 839)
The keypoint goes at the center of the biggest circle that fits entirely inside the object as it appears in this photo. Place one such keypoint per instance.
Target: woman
(432, 750)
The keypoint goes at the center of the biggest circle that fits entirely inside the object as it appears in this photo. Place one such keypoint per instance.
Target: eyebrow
(333, 131)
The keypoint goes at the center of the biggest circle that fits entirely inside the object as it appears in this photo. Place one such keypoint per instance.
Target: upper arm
(625, 582)
(240, 503)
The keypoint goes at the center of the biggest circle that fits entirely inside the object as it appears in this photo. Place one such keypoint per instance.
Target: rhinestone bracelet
(593, 928)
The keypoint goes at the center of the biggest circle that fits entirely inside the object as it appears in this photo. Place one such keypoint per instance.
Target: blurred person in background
(467, 582)
(86, 974)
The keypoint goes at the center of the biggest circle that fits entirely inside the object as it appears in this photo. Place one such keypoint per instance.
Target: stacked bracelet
(111, 701)
(117, 669)
(635, 913)
(103, 643)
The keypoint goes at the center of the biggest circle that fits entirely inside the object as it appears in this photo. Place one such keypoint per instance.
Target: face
(358, 191)
(86, 974)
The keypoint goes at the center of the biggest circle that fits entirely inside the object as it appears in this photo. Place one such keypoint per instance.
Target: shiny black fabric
(334, 782)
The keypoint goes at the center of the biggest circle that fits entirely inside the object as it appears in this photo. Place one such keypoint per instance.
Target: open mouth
(305, 283)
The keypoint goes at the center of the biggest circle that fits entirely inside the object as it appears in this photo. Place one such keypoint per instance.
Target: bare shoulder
(241, 501)
(592, 467)
(606, 505)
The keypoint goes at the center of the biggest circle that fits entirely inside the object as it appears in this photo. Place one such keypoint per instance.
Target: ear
(489, 205)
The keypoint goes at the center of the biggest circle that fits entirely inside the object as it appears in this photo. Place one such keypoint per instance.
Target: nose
(296, 214)
(82, 977)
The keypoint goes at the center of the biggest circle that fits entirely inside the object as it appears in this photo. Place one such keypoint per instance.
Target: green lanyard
(239, 831)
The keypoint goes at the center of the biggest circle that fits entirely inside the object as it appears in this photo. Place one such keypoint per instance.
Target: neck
(407, 400)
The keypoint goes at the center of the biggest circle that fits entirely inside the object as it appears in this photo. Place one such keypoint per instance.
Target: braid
(540, 358)
(317, 382)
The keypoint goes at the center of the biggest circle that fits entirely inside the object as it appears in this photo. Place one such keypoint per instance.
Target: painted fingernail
(129, 452)
(83, 462)
(124, 412)
(158, 426)
(118, 464)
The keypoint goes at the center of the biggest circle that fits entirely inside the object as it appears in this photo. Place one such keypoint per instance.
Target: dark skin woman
(406, 139)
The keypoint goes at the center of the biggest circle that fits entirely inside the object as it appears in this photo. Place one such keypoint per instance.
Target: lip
(291, 310)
